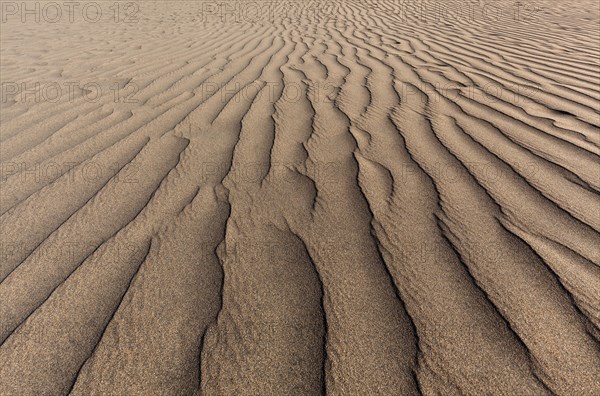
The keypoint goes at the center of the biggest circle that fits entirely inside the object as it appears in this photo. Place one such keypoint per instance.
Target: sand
(300, 198)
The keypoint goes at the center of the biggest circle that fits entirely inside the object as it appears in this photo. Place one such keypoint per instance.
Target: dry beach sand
(299, 198)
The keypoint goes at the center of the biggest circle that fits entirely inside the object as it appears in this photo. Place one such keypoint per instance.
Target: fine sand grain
(374, 197)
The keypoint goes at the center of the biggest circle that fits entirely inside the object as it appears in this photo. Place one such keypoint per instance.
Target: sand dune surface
(347, 197)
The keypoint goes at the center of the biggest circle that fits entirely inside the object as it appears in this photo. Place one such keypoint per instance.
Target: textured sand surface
(346, 198)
